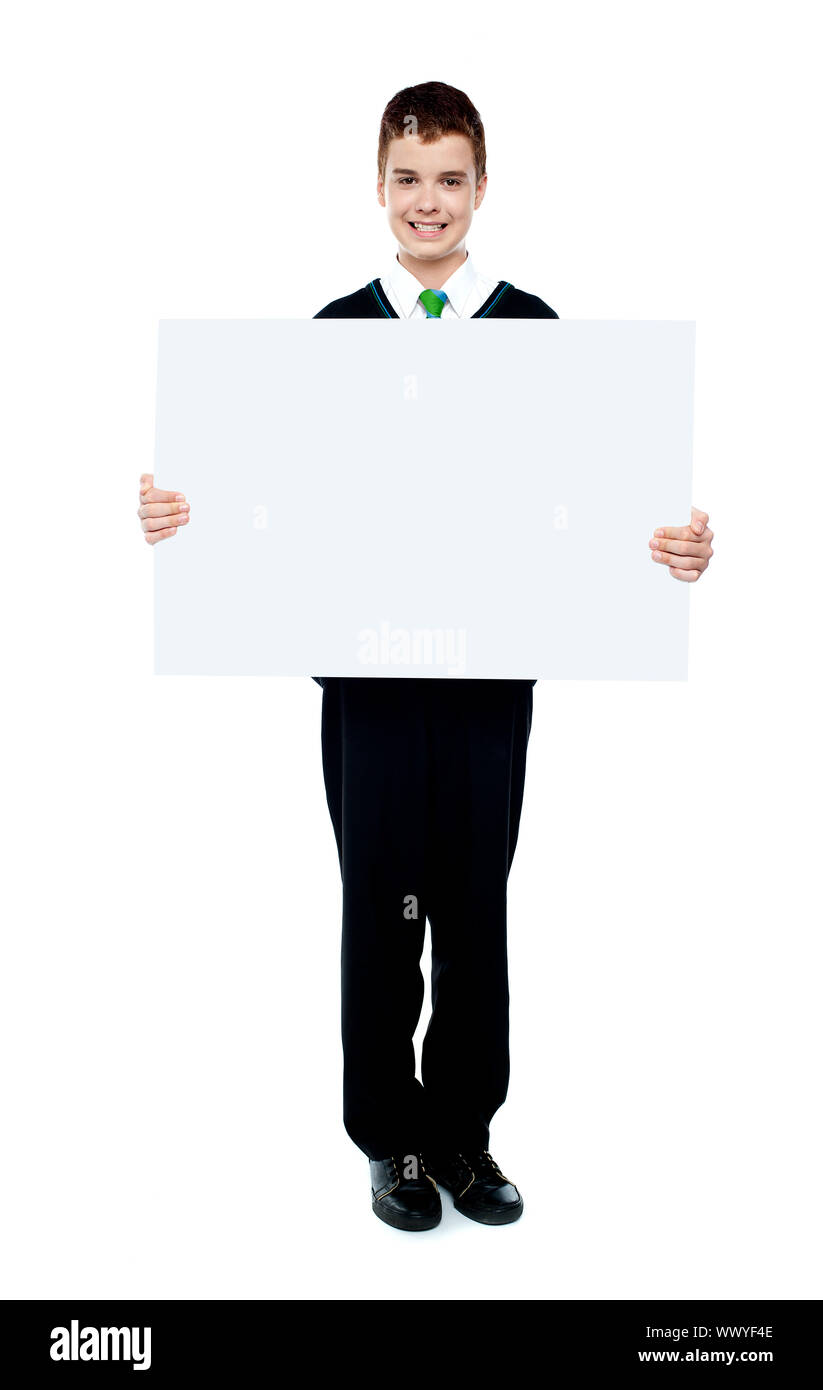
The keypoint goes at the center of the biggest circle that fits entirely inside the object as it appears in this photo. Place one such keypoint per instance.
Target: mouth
(428, 229)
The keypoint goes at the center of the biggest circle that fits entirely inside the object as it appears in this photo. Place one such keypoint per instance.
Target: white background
(171, 1070)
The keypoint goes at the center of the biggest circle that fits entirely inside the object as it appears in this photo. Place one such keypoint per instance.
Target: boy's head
(431, 164)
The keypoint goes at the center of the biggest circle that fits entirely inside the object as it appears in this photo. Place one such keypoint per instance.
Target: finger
(163, 509)
(689, 576)
(691, 547)
(156, 494)
(675, 533)
(683, 533)
(161, 523)
(154, 536)
(686, 562)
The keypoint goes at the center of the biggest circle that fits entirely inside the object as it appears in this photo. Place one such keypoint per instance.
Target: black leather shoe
(409, 1203)
(479, 1189)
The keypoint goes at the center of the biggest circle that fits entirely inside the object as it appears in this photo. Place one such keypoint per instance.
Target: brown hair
(437, 110)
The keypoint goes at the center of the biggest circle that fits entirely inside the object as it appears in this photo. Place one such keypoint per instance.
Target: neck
(433, 274)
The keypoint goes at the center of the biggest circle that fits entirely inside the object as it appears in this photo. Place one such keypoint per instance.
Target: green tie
(433, 301)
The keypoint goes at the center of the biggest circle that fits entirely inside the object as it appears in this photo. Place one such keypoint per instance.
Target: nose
(427, 204)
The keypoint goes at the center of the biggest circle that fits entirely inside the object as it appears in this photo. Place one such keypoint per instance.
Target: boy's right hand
(160, 512)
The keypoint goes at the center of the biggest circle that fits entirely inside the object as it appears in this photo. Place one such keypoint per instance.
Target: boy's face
(435, 185)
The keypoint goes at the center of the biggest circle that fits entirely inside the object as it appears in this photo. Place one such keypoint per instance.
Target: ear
(481, 191)
(380, 193)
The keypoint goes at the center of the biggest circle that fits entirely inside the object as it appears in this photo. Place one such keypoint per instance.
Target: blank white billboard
(459, 499)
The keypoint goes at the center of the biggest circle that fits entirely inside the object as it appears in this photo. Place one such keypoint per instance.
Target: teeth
(428, 226)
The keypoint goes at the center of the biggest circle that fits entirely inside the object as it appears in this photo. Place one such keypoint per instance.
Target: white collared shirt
(466, 288)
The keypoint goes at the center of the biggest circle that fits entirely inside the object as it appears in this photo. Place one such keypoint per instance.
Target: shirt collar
(407, 287)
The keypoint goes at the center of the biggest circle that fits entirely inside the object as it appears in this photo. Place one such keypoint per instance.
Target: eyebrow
(446, 174)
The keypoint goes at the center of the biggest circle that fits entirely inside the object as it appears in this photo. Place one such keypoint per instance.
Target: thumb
(698, 521)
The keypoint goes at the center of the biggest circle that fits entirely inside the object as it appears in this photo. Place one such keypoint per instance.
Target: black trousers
(424, 780)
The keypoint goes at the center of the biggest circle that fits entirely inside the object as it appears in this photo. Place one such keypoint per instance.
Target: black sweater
(504, 302)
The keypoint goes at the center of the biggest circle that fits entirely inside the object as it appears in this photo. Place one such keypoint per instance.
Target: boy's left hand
(685, 549)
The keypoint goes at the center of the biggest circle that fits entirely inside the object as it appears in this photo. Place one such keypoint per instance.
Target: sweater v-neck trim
(391, 313)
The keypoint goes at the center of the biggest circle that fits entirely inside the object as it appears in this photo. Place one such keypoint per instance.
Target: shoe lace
(484, 1166)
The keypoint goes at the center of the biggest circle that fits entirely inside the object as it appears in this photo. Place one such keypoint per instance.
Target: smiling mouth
(428, 226)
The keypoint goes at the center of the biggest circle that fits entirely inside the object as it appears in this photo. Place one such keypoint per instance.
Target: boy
(424, 777)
